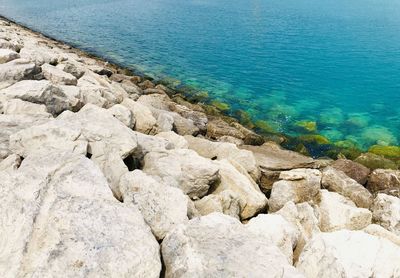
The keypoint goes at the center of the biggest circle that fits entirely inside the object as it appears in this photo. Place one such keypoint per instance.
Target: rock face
(298, 185)
(212, 246)
(58, 76)
(354, 170)
(386, 212)
(338, 254)
(339, 182)
(381, 179)
(16, 70)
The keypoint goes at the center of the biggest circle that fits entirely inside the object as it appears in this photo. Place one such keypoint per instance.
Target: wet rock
(7, 55)
(298, 185)
(339, 182)
(147, 84)
(354, 170)
(226, 202)
(386, 212)
(212, 246)
(373, 161)
(337, 254)
(163, 207)
(58, 76)
(381, 179)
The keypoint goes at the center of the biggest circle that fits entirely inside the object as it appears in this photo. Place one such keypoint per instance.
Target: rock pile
(104, 175)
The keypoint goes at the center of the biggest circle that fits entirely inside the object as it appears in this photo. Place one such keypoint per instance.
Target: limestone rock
(7, 55)
(381, 179)
(20, 107)
(15, 46)
(379, 231)
(11, 163)
(163, 207)
(58, 76)
(339, 182)
(39, 55)
(337, 212)
(217, 245)
(178, 140)
(337, 254)
(16, 70)
(184, 169)
(145, 122)
(298, 185)
(123, 114)
(277, 230)
(226, 202)
(217, 128)
(72, 68)
(386, 212)
(354, 170)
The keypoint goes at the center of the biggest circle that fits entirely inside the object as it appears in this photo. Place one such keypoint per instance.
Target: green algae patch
(306, 126)
(314, 139)
(374, 161)
(264, 127)
(220, 105)
(244, 118)
(391, 152)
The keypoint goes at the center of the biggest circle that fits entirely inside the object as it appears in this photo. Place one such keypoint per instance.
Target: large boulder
(39, 54)
(217, 245)
(298, 185)
(163, 207)
(7, 55)
(16, 70)
(58, 76)
(145, 122)
(20, 107)
(226, 202)
(123, 114)
(337, 212)
(177, 140)
(338, 181)
(354, 170)
(184, 169)
(349, 254)
(386, 212)
(381, 179)
(59, 218)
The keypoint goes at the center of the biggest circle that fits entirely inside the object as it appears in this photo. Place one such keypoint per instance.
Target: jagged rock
(339, 182)
(16, 70)
(41, 92)
(39, 54)
(72, 68)
(230, 139)
(11, 163)
(178, 140)
(386, 212)
(217, 128)
(226, 202)
(198, 118)
(234, 177)
(20, 107)
(337, 212)
(145, 122)
(298, 185)
(184, 169)
(381, 179)
(123, 114)
(217, 245)
(379, 231)
(147, 143)
(303, 217)
(165, 122)
(337, 254)
(277, 230)
(58, 76)
(354, 170)
(219, 150)
(10, 45)
(163, 207)
(59, 219)
(7, 55)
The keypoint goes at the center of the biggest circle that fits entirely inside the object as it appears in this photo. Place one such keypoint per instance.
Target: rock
(272, 157)
(393, 191)
(10, 45)
(277, 230)
(267, 180)
(234, 177)
(60, 219)
(337, 212)
(226, 202)
(220, 150)
(39, 54)
(163, 207)
(123, 114)
(149, 143)
(217, 128)
(381, 179)
(339, 182)
(386, 212)
(198, 118)
(41, 92)
(58, 76)
(147, 84)
(101, 70)
(230, 139)
(145, 122)
(303, 217)
(16, 70)
(354, 170)
(11, 163)
(213, 246)
(298, 185)
(381, 232)
(7, 55)
(183, 169)
(373, 161)
(71, 68)
(337, 254)
(178, 140)
(165, 122)
(20, 107)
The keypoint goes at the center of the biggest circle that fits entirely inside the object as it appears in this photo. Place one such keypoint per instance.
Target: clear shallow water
(335, 62)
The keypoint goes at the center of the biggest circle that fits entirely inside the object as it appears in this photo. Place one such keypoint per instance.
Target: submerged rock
(373, 161)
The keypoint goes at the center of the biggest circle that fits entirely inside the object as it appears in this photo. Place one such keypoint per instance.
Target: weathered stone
(337, 212)
(298, 185)
(337, 181)
(184, 169)
(381, 179)
(386, 212)
(16, 70)
(58, 76)
(11, 163)
(217, 128)
(217, 245)
(10, 45)
(381, 232)
(165, 122)
(163, 207)
(145, 122)
(178, 140)
(337, 254)
(226, 202)
(7, 55)
(123, 114)
(72, 68)
(39, 54)
(20, 107)
(354, 170)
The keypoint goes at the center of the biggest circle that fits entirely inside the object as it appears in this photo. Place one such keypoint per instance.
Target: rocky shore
(106, 174)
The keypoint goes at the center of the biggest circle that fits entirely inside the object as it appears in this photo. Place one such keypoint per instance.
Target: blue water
(335, 62)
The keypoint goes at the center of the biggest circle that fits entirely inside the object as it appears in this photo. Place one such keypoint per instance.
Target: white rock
(16, 70)
(226, 202)
(58, 76)
(277, 230)
(11, 163)
(73, 68)
(20, 107)
(298, 186)
(165, 122)
(176, 139)
(145, 122)
(379, 231)
(386, 212)
(184, 169)
(349, 254)
(123, 114)
(39, 54)
(163, 207)
(338, 212)
(217, 245)
(7, 55)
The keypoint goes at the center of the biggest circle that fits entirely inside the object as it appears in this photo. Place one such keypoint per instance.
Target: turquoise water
(333, 62)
